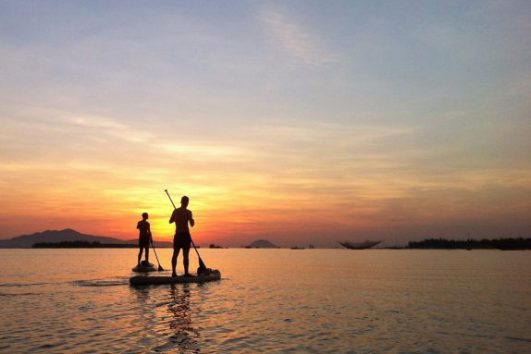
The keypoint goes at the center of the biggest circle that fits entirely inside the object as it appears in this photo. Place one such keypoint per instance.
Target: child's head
(145, 216)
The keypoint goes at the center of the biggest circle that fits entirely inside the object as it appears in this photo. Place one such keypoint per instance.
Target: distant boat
(359, 245)
(297, 248)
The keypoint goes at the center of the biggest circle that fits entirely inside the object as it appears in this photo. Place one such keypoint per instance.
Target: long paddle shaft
(157, 257)
(201, 263)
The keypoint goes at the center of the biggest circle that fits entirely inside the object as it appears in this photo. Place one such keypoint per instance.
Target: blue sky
(398, 118)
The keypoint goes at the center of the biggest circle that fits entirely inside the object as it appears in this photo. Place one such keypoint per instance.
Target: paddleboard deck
(157, 280)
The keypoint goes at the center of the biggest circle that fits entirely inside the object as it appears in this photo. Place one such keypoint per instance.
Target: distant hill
(55, 236)
(262, 244)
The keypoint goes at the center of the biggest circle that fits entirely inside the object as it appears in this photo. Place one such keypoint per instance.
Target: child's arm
(192, 221)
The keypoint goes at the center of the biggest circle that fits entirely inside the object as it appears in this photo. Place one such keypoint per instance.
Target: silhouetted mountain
(262, 244)
(55, 236)
(70, 235)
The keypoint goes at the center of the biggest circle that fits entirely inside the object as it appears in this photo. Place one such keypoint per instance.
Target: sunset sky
(295, 121)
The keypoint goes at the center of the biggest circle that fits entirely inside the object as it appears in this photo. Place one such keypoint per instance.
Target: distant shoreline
(504, 244)
(79, 240)
(82, 244)
(405, 248)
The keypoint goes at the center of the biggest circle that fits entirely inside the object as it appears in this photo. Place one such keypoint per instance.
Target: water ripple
(102, 282)
(327, 302)
(19, 294)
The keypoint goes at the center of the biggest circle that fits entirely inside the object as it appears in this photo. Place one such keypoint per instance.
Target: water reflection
(176, 329)
(184, 336)
(142, 295)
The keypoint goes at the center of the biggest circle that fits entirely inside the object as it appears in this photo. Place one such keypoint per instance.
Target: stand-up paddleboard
(157, 280)
(144, 267)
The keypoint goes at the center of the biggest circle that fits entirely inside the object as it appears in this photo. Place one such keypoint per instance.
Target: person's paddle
(202, 267)
(157, 257)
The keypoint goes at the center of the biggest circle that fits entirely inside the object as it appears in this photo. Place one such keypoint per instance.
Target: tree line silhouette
(501, 243)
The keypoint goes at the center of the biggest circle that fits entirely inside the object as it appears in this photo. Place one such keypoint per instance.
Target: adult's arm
(172, 218)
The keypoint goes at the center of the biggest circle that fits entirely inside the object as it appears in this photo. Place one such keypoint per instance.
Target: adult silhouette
(182, 217)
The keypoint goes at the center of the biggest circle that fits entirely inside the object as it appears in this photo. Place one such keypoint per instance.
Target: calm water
(318, 301)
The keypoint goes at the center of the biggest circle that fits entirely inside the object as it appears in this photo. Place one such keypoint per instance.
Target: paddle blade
(201, 264)
(202, 269)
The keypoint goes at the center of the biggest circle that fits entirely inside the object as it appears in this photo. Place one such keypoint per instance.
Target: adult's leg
(186, 260)
(174, 261)
(147, 253)
(139, 254)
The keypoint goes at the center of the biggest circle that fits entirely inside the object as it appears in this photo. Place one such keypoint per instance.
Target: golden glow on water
(325, 301)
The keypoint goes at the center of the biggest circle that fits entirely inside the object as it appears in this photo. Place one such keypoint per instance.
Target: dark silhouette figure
(144, 237)
(182, 239)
